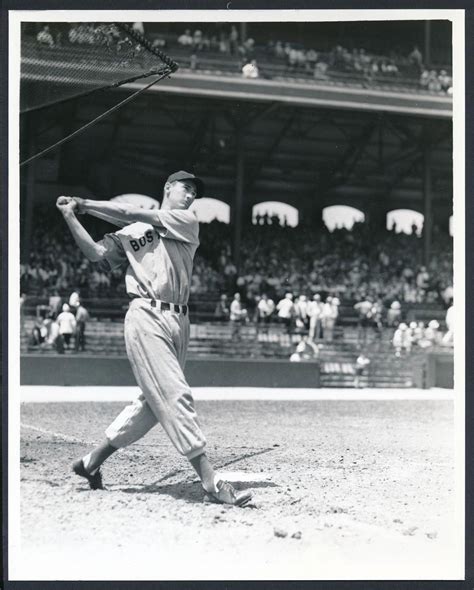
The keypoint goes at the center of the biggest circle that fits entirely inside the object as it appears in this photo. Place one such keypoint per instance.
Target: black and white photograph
(236, 295)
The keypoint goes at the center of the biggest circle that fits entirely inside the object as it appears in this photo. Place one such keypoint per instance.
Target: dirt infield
(343, 490)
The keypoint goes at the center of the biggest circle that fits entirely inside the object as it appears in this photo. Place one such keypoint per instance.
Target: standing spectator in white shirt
(328, 318)
(301, 312)
(285, 311)
(402, 340)
(364, 309)
(67, 324)
(315, 309)
(74, 300)
(238, 316)
(394, 314)
(265, 309)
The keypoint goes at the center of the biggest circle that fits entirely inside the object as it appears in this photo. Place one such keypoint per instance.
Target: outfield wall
(37, 369)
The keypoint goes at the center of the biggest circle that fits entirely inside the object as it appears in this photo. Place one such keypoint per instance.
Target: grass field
(344, 489)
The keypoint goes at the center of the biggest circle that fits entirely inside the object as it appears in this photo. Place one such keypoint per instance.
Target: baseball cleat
(227, 494)
(95, 481)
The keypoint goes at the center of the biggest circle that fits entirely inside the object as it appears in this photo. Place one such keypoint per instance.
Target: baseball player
(157, 248)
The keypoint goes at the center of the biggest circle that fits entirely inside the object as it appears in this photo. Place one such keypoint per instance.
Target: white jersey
(159, 259)
(66, 322)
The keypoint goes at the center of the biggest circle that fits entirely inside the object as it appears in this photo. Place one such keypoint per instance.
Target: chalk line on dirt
(40, 393)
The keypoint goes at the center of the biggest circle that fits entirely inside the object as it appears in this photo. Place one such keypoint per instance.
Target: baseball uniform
(159, 264)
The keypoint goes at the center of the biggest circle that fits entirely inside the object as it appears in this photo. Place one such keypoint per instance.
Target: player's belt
(163, 305)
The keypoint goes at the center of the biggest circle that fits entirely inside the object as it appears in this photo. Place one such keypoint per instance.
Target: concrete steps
(214, 340)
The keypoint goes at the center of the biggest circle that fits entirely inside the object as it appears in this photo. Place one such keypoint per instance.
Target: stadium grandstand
(307, 117)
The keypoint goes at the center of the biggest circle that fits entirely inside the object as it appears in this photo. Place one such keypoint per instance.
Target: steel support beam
(30, 185)
(238, 199)
(427, 205)
(427, 56)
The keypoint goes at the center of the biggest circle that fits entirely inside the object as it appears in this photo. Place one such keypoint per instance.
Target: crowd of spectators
(275, 259)
(59, 326)
(356, 62)
(435, 81)
(347, 264)
(410, 336)
(256, 60)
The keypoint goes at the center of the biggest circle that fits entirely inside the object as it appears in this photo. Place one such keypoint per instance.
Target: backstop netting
(87, 57)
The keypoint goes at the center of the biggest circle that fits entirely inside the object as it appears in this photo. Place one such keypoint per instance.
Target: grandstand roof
(307, 157)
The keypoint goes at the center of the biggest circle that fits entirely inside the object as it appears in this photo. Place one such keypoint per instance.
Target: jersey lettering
(137, 244)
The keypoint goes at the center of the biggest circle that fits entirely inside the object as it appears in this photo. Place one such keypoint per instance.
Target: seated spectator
(159, 43)
(425, 79)
(138, 28)
(39, 332)
(422, 278)
(361, 366)
(431, 335)
(311, 59)
(306, 351)
(433, 82)
(44, 37)
(445, 81)
(394, 314)
(320, 70)
(250, 70)
(402, 340)
(186, 39)
(415, 332)
(293, 59)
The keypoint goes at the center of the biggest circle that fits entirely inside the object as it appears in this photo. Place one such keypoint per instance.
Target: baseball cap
(183, 175)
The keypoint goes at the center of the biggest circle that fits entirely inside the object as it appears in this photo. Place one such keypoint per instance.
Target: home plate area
(343, 489)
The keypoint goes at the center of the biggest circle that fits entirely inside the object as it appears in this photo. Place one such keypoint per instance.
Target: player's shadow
(188, 491)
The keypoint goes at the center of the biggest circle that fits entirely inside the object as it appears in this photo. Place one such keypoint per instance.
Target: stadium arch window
(405, 221)
(341, 216)
(208, 209)
(287, 215)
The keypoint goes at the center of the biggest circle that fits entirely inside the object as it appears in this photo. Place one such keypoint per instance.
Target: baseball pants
(156, 343)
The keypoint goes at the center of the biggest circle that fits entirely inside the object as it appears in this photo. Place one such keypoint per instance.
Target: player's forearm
(121, 212)
(109, 218)
(91, 250)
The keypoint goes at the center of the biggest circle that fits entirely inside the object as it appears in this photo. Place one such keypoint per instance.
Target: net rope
(63, 62)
